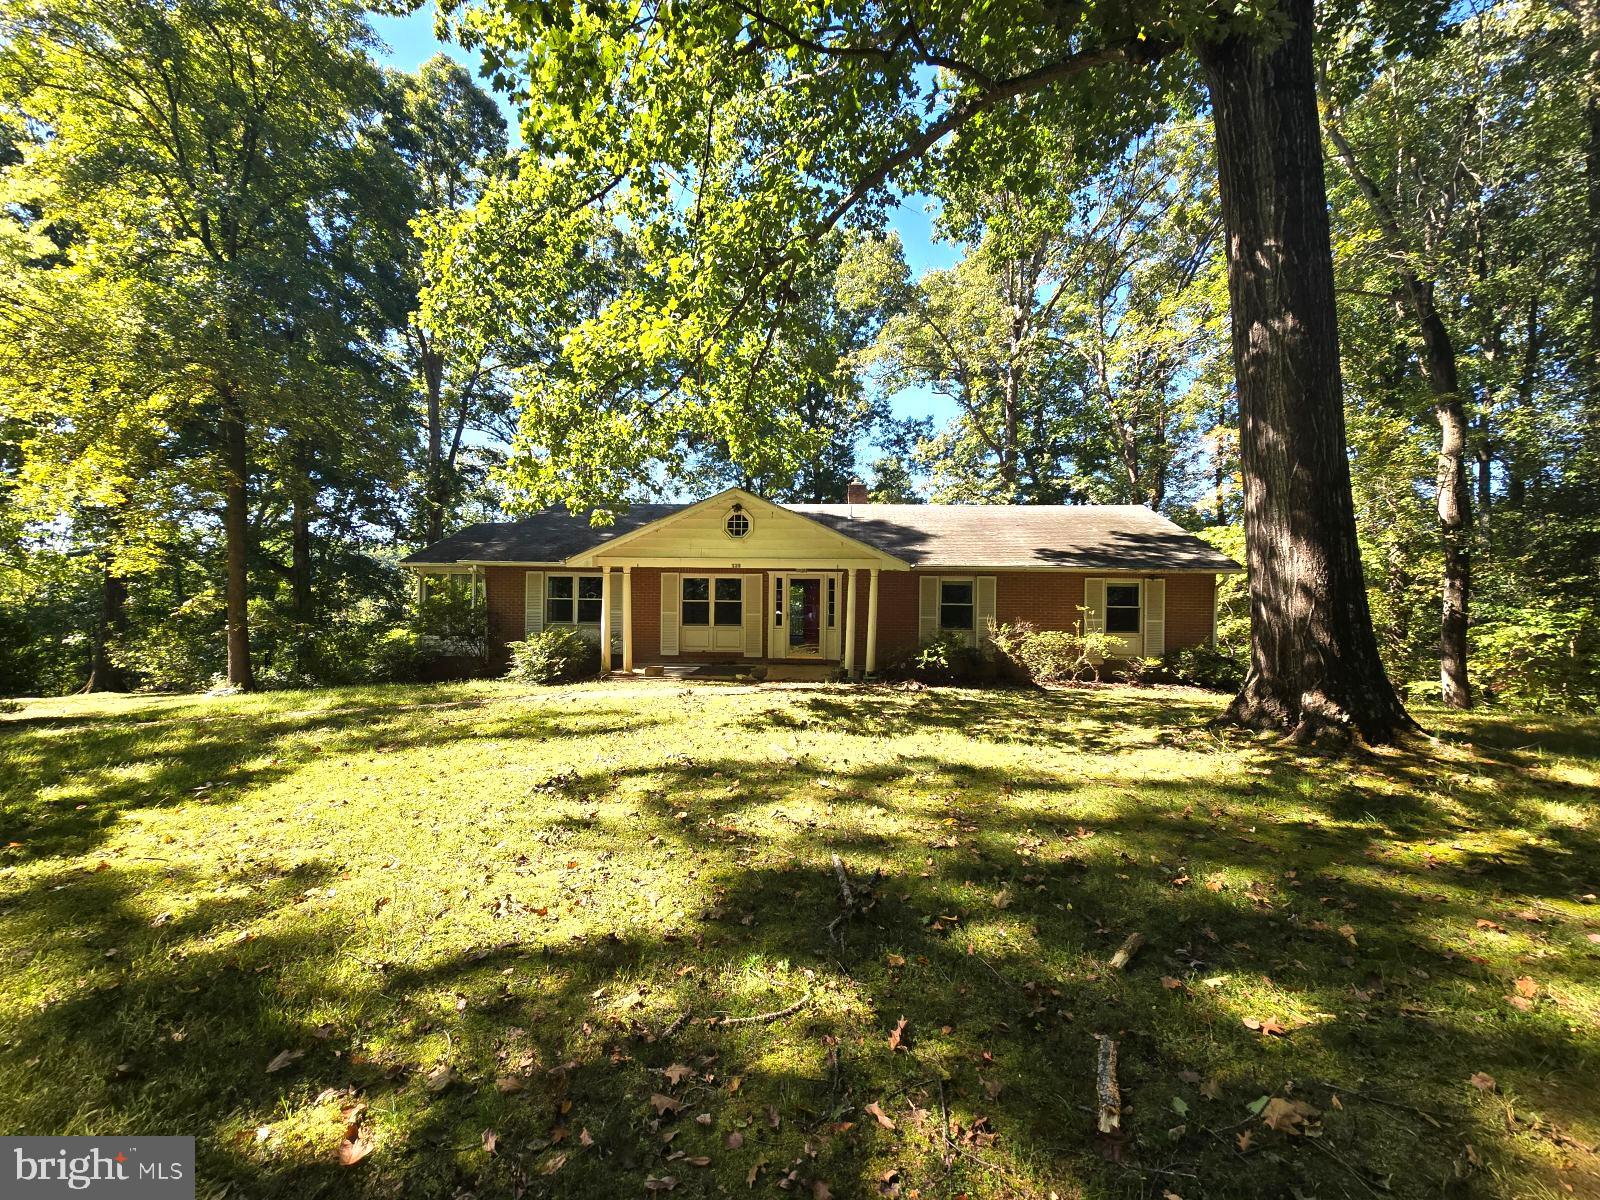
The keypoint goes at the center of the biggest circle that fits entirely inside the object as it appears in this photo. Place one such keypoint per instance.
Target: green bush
(1205, 666)
(945, 658)
(1544, 657)
(397, 655)
(554, 655)
(1054, 655)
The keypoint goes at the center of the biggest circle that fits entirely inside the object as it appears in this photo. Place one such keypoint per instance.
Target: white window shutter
(928, 608)
(615, 582)
(984, 612)
(532, 603)
(755, 614)
(1155, 618)
(1094, 599)
(671, 600)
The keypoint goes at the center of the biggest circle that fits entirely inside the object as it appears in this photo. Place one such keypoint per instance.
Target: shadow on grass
(1000, 900)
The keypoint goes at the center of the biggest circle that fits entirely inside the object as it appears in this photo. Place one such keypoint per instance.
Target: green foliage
(1543, 657)
(946, 658)
(1214, 667)
(556, 654)
(1054, 655)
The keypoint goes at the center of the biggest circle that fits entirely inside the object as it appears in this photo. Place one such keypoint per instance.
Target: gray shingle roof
(1126, 537)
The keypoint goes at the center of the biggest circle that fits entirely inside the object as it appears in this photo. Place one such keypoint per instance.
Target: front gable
(774, 537)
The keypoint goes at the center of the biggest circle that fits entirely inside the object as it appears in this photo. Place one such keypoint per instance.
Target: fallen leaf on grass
(698, 1160)
(677, 1073)
(883, 1118)
(353, 1150)
(734, 1140)
(821, 1191)
(283, 1059)
(665, 1184)
(1348, 933)
(584, 1138)
(440, 1077)
(665, 1104)
(1171, 984)
(554, 1164)
(1287, 1116)
(506, 1085)
(1244, 1140)
(898, 1036)
(1484, 1083)
(1527, 987)
(490, 1138)
(1270, 1026)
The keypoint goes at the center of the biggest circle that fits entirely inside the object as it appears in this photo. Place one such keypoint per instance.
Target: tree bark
(1314, 663)
(433, 499)
(105, 675)
(236, 535)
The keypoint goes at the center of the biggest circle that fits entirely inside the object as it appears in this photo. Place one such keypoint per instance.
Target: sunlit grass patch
(555, 916)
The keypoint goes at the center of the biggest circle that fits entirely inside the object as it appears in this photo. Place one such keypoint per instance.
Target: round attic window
(737, 524)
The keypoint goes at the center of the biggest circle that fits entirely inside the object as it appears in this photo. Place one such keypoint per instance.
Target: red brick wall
(1048, 599)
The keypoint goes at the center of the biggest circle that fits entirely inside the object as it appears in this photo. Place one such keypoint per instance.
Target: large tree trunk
(1314, 663)
(105, 675)
(236, 535)
(1452, 501)
(433, 485)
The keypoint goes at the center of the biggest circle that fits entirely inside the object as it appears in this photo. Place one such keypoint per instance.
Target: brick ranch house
(736, 578)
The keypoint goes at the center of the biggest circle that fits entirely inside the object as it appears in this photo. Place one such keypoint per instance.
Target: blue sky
(410, 42)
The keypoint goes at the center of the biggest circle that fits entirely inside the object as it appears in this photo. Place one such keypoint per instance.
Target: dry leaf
(665, 1104)
(1484, 1083)
(665, 1184)
(698, 1160)
(1348, 933)
(1244, 1140)
(583, 1137)
(282, 1060)
(677, 1073)
(1527, 987)
(821, 1191)
(1171, 984)
(439, 1078)
(508, 1084)
(734, 1140)
(1287, 1116)
(895, 960)
(554, 1164)
(1211, 1089)
(353, 1150)
(878, 1112)
(490, 1138)
(898, 1036)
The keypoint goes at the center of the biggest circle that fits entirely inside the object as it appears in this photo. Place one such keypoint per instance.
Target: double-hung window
(1122, 608)
(573, 599)
(956, 608)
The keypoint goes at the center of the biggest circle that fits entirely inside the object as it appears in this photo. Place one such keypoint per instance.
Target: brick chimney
(856, 493)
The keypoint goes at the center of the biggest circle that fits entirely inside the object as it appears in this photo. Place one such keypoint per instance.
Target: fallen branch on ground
(764, 1018)
(1130, 947)
(844, 884)
(1108, 1095)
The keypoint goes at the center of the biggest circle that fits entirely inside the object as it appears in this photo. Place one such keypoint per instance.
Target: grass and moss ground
(488, 937)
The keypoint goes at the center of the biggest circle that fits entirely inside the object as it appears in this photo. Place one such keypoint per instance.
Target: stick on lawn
(1108, 1095)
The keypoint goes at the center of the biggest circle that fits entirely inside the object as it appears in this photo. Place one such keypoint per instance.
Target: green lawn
(438, 917)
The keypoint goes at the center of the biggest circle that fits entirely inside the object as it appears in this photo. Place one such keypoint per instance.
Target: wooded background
(274, 316)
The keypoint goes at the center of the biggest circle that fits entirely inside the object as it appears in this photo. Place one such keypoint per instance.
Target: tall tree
(191, 145)
(449, 133)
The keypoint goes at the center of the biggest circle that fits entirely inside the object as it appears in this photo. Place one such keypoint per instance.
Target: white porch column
(872, 623)
(605, 620)
(850, 621)
(627, 620)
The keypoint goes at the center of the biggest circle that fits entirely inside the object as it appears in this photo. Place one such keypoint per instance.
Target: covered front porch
(810, 621)
(738, 580)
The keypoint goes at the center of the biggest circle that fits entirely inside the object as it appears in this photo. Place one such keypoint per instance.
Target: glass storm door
(805, 618)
